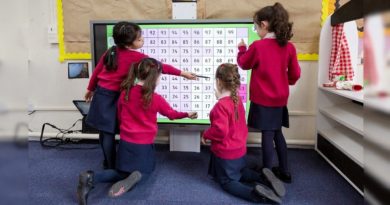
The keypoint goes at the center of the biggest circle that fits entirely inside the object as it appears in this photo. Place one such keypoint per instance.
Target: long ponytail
(230, 78)
(281, 25)
(150, 69)
(129, 82)
(278, 19)
(147, 70)
(111, 59)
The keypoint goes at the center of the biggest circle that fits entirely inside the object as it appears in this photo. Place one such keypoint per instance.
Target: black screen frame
(98, 33)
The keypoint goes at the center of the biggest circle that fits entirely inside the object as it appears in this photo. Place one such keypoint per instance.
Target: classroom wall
(13, 65)
(51, 93)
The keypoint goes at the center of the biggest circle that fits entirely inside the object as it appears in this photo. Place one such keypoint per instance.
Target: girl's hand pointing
(188, 75)
(242, 43)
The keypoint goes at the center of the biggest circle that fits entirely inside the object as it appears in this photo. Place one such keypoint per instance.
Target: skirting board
(292, 143)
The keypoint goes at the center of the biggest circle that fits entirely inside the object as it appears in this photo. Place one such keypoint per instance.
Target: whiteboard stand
(184, 140)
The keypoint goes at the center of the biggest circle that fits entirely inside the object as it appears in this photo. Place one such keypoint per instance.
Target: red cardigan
(137, 124)
(228, 135)
(274, 68)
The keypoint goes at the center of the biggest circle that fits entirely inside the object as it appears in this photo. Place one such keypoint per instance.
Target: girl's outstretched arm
(219, 124)
(246, 59)
(165, 109)
(168, 69)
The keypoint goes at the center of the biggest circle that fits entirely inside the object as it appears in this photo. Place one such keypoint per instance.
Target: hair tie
(229, 80)
(113, 50)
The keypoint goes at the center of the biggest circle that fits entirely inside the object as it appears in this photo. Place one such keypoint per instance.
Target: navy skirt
(267, 118)
(132, 157)
(226, 170)
(102, 113)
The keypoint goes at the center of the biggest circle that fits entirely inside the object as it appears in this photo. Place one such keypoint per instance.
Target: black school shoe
(123, 186)
(284, 176)
(267, 193)
(275, 183)
(85, 185)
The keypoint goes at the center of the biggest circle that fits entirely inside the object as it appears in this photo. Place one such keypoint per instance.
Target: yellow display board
(63, 55)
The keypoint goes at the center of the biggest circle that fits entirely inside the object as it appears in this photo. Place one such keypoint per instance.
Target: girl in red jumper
(138, 106)
(105, 82)
(228, 134)
(274, 65)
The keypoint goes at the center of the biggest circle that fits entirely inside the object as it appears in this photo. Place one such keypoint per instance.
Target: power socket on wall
(52, 36)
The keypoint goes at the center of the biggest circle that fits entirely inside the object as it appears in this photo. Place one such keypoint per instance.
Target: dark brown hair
(124, 34)
(228, 74)
(147, 70)
(278, 20)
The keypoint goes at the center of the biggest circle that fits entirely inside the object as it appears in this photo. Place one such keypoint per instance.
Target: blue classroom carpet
(180, 178)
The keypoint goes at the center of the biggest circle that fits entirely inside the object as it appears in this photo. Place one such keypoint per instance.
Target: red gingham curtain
(340, 59)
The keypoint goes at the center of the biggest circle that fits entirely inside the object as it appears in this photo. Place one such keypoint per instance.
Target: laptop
(82, 106)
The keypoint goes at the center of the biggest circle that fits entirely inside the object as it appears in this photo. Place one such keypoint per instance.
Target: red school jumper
(138, 125)
(227, 134)
(274, 68)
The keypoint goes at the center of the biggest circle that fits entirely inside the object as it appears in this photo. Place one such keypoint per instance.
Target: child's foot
(85, 185)
(267, 193)
(125, 185)
(276, 184)
(284, 176)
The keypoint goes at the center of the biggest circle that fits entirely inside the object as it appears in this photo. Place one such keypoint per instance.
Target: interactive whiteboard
(190, 45)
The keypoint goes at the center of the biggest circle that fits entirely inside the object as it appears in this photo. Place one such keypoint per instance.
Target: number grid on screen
(199, 49)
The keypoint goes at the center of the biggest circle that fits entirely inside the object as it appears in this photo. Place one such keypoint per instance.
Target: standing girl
(138, 106)
(274, 65)
(228, 134)
(105, 83)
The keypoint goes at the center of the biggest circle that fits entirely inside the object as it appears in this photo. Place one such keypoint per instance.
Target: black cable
(61, 142)
(30, 113)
